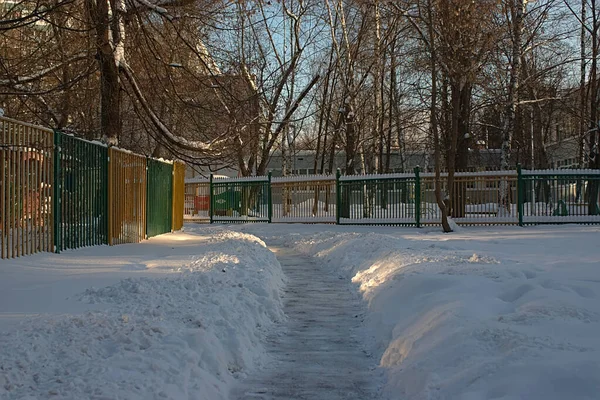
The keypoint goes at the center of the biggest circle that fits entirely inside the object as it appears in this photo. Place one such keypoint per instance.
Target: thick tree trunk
(592, 189)
(110, 84)
(462, 149)
(516, 13)
(434, 123)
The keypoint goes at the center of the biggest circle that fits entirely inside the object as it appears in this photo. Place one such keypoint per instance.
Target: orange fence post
(178, 194)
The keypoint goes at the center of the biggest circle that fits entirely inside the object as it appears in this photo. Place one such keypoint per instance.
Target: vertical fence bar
(9, 197)
(105, 194)
(338, 196)
(270, 200)
(520, 194)
(110, 195)
(417, 197)
(18, 193)
(3, 182)
(178, 195)
(48, 173)
(210, 198)
(148, 197)
(57, 192)
(28, 192)
(39, 166)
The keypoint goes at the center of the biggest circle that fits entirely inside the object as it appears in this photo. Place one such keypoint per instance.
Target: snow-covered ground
(180, 316)
(483, 313)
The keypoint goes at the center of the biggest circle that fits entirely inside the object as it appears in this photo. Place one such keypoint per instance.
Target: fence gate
(26, 181)
(379, 199)
(80, 193)
(560, 196)
(127, 197)
(308, 199)
(178, 195)
(240, 199)
(197, 199)
(159, 208)
(476, 198)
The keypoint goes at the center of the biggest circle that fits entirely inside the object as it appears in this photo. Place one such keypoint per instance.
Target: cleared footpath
(318, 353)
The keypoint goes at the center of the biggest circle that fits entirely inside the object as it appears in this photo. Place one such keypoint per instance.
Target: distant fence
(530, 197)
(240, 200)
(60, 192)
(304, 198)
(26, 181)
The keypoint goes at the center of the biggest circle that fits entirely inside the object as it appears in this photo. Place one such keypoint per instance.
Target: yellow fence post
(178, 195)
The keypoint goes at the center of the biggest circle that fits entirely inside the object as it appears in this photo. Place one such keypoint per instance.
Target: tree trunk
(516, 13)
(592, 188)
(110, 84)
(462, 149)
(434, 122)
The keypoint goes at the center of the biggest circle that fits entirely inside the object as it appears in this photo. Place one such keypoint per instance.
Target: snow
(475, 173)
(199, 179)
(483, 313)
(559, 172)
(370, 177)
(224, 179)
(181, 316)
(303, 178)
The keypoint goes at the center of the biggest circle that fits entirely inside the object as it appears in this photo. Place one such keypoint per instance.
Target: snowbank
(185, 333)
(483, 314)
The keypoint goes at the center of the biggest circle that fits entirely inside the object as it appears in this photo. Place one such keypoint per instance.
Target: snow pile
(186, 334)
(476, 315)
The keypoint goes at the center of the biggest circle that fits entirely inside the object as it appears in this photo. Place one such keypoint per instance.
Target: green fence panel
(560, 196)
(240, 200)
(378, 199)
(80, 190)
(159, 197)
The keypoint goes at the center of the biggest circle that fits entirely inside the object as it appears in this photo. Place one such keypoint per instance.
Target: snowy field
(484, 313)
(181, 316)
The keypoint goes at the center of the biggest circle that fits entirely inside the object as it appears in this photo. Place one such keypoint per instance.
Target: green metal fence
(80, 193)
(240, 200)
(159, 197)
(61, 192)
(478, 198)
(559, 196)
(379, 199)
(307, 199)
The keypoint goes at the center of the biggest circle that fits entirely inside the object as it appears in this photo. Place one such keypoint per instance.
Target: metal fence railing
(307, 199)
(560, 196)
(159, 208)
(197, 199)
(379, 199)
(127, 197)
(240, 200)
(178, 193)
(478, 198)
(81, 190)
(61, 192)
(26, 180)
